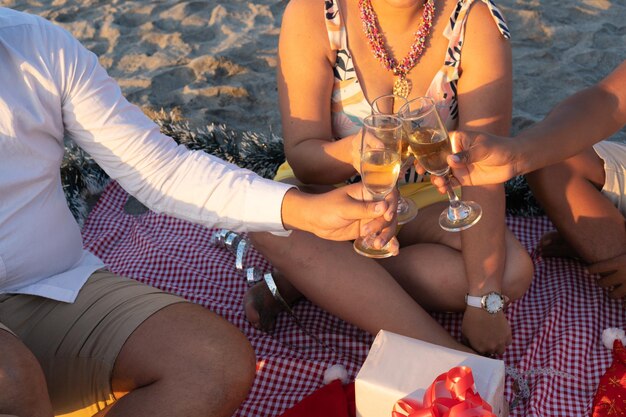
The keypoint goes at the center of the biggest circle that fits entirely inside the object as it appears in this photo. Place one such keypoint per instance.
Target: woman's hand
(613, 275)
(488, 334)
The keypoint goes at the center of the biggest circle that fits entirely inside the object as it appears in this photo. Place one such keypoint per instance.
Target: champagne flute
(380, 165)
(430, 144)
(391, 104)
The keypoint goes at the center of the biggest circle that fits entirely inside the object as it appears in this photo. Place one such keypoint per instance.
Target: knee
(240, 366)
(552, 175)
(189, 360)
(226, 371)
(22, 385)
(520, 270)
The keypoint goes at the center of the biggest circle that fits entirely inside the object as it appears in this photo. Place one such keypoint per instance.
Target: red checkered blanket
(556, 347)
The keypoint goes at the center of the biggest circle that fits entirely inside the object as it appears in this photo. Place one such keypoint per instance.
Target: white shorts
(614, 156)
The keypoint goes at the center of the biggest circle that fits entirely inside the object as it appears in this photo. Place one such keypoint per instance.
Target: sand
(216, 60)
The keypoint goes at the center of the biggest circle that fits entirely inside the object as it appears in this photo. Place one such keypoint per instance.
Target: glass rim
(382, 99)
(423, 111)
(367, 121)
(387, 96)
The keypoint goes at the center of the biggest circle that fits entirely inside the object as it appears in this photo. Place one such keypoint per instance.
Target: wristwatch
(492, 302)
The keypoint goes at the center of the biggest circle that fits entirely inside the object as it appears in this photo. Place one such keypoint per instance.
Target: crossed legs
(359, 291)
(374, 295)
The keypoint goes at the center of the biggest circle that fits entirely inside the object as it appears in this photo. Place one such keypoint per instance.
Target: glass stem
(402, 206)
(457, 210)
(367, 240)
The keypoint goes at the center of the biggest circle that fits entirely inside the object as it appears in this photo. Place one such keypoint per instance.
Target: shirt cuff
(264, 206)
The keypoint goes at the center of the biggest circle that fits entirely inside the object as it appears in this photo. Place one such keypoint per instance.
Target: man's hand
(480, 159)
(341, 214)
(488, 334)
(384, 228)
(613, 272)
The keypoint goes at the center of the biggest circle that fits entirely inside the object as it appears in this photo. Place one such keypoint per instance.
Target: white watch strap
(474, 301)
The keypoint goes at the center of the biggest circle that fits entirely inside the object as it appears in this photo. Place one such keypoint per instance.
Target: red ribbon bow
(452, 394)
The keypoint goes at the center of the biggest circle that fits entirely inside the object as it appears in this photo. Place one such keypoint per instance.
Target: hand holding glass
(391, 104)
(430, 144)
(380, 166)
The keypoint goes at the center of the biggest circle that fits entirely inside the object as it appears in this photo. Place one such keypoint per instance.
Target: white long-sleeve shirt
(51, 86)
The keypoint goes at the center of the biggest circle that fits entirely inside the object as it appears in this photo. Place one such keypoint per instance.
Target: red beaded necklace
(402, 86)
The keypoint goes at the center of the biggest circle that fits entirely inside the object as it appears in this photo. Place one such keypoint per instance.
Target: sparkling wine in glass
(380, 166)
(391, 104)
(430, 144)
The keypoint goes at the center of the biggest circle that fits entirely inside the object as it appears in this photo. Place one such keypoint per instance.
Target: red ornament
(610, 398)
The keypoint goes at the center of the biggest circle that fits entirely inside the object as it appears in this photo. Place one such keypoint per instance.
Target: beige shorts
(77, 344)
(614, 156)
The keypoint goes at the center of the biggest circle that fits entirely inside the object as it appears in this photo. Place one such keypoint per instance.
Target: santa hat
(610, 398)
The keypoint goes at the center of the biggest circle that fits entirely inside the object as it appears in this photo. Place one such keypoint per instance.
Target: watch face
(493, 303)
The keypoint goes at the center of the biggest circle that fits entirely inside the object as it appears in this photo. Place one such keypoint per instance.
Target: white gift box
(399, 366)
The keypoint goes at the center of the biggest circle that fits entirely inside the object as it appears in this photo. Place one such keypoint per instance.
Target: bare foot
(552, 245)
(260, 306)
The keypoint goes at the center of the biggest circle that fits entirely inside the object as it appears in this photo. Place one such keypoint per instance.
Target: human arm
(169, 178)
(575, 124)
(485, 103)
(305, 81)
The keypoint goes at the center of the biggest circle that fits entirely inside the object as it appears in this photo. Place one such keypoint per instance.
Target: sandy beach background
(216, 60)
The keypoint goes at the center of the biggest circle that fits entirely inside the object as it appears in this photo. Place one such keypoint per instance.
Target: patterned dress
(349, 105)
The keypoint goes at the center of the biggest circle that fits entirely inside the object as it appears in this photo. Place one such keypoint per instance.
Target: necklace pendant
(402, 87)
